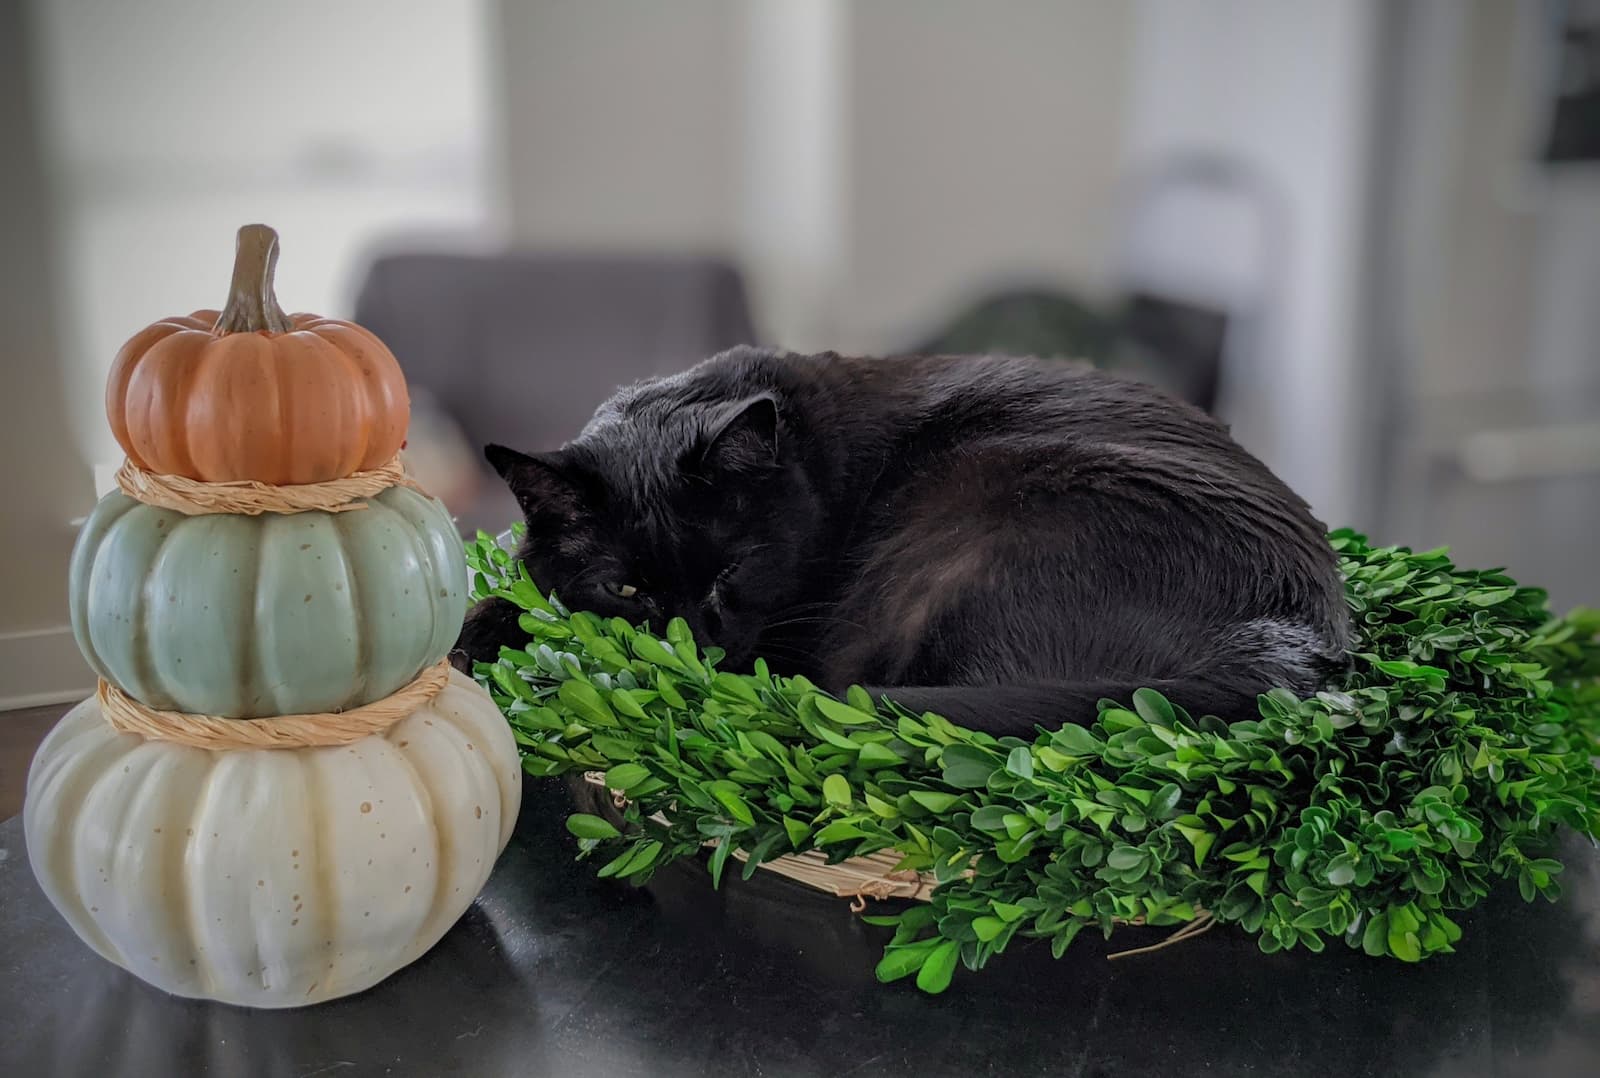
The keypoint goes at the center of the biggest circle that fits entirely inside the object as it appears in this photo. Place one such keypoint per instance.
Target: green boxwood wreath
(1446, 759)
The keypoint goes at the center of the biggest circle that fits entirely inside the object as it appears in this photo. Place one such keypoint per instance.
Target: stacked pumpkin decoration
(281, 793)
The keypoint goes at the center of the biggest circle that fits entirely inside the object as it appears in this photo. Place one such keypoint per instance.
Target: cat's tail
(1021, 709)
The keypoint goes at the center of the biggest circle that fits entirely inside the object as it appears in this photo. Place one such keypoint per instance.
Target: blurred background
(1364, 233)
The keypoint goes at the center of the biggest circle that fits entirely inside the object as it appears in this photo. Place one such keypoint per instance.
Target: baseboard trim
(40, 667)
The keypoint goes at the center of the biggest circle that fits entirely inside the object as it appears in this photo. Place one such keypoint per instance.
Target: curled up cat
(1001, 541)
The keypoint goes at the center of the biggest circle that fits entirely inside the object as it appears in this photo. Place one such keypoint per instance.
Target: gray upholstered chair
(520, 348)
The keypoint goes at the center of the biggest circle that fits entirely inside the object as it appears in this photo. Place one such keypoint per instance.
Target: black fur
(1001, 541)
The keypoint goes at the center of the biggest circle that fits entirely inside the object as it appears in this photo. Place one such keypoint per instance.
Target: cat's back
(957, 402)
(992, 399)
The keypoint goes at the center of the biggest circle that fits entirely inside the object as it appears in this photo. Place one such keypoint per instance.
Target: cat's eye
(622, 591)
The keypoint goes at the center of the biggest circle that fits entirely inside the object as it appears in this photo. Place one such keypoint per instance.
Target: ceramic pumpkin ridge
(253, 393)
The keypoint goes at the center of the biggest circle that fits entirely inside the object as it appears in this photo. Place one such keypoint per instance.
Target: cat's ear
(742, 436)
(542, 484)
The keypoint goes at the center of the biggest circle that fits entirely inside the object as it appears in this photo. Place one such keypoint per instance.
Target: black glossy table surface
(555, 973)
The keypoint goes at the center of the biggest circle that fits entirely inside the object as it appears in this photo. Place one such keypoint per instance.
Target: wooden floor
(20, 734)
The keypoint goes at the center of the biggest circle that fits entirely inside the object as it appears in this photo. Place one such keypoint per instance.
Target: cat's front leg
(489, 625)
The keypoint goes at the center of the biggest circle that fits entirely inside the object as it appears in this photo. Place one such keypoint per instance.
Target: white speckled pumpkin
(272, 878)
(247, 617)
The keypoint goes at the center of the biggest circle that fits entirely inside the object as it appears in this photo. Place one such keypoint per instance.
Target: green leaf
(737, 807)
(1020, 763)
(585, 826)
(1405, 946)
(654, 652)
(987, 928)
(934, 802)
(879, 806)
(1153, 708)
(633, 860)
(836, 791)
(719, 858)
(903, 961)
(796, 831)
(842, 713)
(990, 818)
(934, 976)
(966, 767)
(873, 754)
(839, 831)
(1125, 857)
(1076, 741)
(625, 777)
(585, 702)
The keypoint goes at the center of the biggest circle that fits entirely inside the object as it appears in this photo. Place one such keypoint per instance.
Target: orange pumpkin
(253, 393)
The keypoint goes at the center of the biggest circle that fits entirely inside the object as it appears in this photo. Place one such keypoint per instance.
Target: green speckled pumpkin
(268, 615)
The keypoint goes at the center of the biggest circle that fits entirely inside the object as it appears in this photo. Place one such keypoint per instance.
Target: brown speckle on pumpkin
(470, 748)
(94, 909)
(158, 830)
(294, 898)
(261, 883)
(403, 744)
(366, 806)
(305, 546)
(188, 831)
(477, 812)
(308, 597)
(294, 853)
(407, 891)
(294, 922)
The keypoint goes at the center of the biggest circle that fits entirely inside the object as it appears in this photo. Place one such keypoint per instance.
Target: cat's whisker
(820, 619)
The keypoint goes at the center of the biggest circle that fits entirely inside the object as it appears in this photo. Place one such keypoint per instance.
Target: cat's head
(670, 507)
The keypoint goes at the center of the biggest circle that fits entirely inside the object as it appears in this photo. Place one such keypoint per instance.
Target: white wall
(621, 122)
(984, 146)
(44, 483)
(1286, 89)
(871, 163)
(173, 122)
(792, 166)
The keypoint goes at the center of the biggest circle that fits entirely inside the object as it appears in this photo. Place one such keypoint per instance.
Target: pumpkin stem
(252, 305)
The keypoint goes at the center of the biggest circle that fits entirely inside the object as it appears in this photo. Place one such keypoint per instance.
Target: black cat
(1001, 541)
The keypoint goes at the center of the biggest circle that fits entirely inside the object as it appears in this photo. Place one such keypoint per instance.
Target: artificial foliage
(1446, 759)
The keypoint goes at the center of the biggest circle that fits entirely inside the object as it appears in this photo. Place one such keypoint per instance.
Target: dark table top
(555, 973)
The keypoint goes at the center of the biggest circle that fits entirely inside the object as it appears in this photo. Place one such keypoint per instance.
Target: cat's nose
(710, 627)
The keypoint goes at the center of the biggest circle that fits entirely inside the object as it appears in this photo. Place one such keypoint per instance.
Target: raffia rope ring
(246, 497)
(127, 715)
